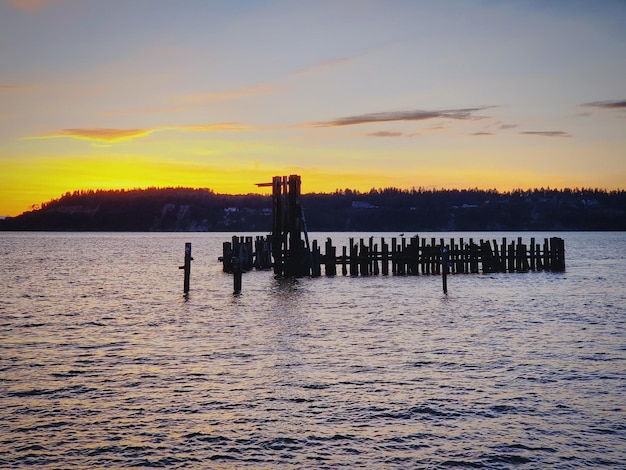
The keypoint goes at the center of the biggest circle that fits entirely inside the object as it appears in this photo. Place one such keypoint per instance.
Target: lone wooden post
(444, 269)
(187, 267)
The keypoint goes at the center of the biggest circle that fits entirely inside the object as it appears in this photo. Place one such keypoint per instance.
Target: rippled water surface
(104, 363)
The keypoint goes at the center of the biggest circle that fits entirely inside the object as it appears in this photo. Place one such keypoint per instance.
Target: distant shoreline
(385, 210)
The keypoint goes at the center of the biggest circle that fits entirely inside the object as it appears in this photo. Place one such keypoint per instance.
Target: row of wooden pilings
(414, 257)
(404, 256)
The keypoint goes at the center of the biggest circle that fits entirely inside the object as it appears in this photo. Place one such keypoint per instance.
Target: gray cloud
(547, 133)
(508, 126)
(417, 115)
(386, 134)
(12, 88)
(612, 104)
(483, 133)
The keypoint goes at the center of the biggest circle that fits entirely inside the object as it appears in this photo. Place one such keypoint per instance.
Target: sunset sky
(360, 94)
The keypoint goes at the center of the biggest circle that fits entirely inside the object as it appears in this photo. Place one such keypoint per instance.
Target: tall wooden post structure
(290, 252)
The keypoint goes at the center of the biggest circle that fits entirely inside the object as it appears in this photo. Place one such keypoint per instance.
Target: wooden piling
(423, 262)
(227, 257)
(371, 257)
(237, 275)
(363, 259)
(385, 257)
(330, 265)
(402, 257)
(511, 257)
(546, 256)
(444, 268)
(488, 258)
(316, 269)
(413, 256)
(557, 254)
(187, 267)
(278, 237)
(538, 259)
(374, 258)
(531, 255)
(394, 256)
(473, 256)
(354, 266)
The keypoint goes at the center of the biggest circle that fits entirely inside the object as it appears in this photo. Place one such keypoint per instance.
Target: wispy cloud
(29, 5)
(109, 136)
(96, 134)
(230, 94)
(547, 133)
(324, 65)
(223, 126)
(164, 110)
(612, 104)
(12, 88)
(386, 134)
(507, 126)
(417, 115)
(482, 133)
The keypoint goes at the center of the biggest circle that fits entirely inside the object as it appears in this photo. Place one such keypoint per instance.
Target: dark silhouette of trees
(382, 209)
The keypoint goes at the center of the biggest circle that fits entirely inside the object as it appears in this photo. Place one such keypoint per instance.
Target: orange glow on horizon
(26, 189)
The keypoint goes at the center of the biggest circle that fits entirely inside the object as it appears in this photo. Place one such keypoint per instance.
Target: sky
(358, 94)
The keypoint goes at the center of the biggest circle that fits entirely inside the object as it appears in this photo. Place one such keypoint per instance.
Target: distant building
(362, 205)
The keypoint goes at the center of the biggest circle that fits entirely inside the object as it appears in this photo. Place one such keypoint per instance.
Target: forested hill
(184, 209)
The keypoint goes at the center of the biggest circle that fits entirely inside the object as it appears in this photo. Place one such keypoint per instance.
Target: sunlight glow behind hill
(223, 95)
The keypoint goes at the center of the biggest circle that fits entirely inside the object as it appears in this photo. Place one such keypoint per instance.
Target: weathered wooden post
(413, 255)
(354, 267)
(237, 275)
(316, 269)
(423, 256)
(444, 269)
(487, 257)
(375, 260)
(385, 257)
(533, 263)
(371, 256)
(394, 256)
(473, 256)
(452, 256)
(227, 257)
(363, 259)
(546, 255)
(511, 257)
(557, 257)
(278, 216)
(187, 267)
(331, 258)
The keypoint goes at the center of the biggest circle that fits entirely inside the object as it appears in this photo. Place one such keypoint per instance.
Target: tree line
(381, 209)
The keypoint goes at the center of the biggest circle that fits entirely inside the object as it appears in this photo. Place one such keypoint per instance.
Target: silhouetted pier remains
(402, 256)
(288, 252)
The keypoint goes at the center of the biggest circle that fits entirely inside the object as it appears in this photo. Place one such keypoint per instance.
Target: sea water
(105, 364)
